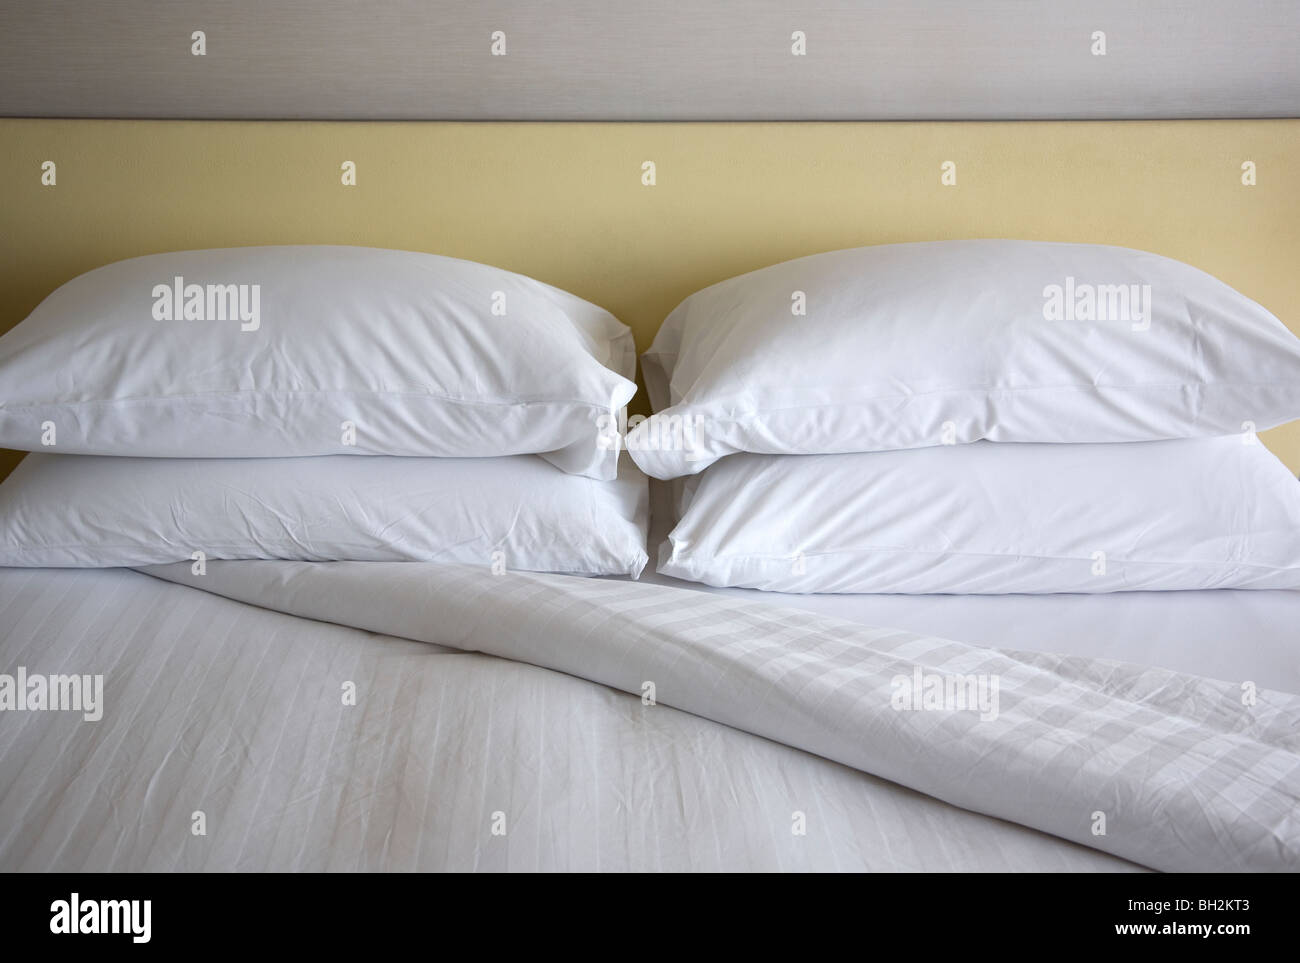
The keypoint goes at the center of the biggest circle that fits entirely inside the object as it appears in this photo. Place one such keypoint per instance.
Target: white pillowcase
(988, 518)
(911, 345)
(323, 350)
(515, 512)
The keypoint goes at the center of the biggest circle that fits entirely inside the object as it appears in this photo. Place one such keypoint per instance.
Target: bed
(238, 714)
(390, 715)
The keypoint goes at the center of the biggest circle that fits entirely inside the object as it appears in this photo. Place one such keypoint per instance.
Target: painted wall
(650, 59)
(565, 203)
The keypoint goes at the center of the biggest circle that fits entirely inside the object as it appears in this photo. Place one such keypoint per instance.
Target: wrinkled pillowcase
(510, 513)
(292, 351)
(989, 518)
(913, 345)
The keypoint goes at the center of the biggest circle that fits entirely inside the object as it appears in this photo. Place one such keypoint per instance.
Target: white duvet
(1167, 770)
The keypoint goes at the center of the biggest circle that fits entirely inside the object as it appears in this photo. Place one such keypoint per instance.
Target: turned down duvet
(553, 723)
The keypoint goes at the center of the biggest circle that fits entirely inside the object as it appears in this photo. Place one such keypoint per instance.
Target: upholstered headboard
(570, 203)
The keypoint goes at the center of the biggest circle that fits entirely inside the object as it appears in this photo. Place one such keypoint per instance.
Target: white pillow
(85, 510)
(324, 350)
(988, 518)
(910, 345)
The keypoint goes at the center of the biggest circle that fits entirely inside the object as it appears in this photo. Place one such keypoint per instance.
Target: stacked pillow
(244, 383)
(975, 416)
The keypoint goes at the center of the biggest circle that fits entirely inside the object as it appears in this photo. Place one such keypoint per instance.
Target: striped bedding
(453, 759)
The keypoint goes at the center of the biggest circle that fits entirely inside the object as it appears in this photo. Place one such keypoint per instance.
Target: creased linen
(1168, 770)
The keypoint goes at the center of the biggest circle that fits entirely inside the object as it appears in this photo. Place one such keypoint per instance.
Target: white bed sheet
(233, 710)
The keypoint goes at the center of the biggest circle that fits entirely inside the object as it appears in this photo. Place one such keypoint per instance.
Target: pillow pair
(878, 367)
(245, 381)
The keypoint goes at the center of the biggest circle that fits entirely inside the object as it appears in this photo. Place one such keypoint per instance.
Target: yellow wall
(564, 202)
